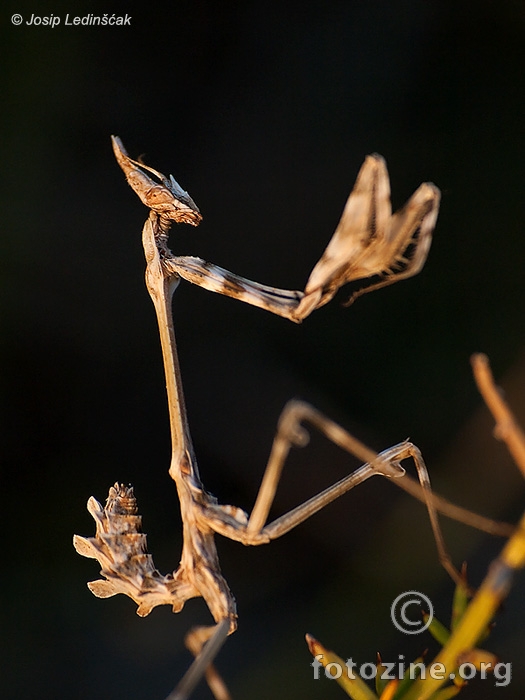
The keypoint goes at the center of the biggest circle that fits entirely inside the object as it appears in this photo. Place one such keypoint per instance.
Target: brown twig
(507, 428)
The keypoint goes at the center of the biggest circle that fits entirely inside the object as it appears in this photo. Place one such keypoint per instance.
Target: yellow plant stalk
(479, 613)
(497, 583)
(354, 686)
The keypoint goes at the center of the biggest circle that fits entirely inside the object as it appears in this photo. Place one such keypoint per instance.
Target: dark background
(264, 112)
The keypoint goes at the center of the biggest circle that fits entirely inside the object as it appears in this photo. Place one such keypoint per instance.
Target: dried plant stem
(507, 428)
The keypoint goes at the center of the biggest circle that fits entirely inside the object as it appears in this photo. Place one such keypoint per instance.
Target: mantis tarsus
(369, 241)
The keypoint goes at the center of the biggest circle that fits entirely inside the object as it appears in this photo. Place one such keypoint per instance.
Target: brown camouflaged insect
(369, 241)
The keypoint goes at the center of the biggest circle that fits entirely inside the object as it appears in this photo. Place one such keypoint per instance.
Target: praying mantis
(369, 242)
